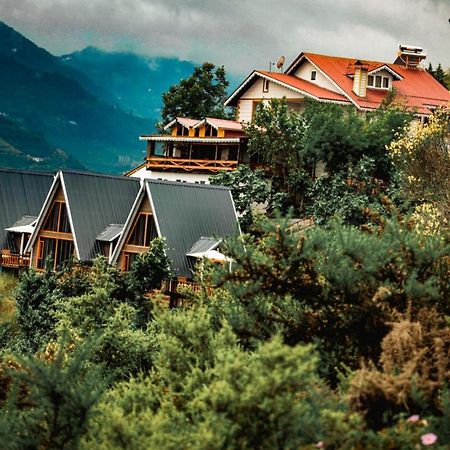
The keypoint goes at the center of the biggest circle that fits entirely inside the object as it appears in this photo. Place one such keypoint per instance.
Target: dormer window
(265, 85)
(378, 81)
(313, 74)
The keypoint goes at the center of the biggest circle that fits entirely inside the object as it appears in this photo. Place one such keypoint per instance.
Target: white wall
(304, 72)
(255, 93)
(170, 176)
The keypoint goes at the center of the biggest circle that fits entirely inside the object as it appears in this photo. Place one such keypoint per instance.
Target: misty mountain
(26, 52)
(52, 99)
(135, 82)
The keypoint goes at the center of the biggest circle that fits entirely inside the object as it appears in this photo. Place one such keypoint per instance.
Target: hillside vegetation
(333, 337)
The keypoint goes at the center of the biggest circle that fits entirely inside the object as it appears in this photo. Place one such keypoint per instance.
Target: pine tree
(439, 74)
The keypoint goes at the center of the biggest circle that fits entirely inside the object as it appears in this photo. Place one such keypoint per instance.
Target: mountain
(24, 149)
(135, 82)
(50, 98)
(26, 52)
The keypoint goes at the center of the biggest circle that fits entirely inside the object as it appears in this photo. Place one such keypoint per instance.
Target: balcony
(189, 165)
(14, 260)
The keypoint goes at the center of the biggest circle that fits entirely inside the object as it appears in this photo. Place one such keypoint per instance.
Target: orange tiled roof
(417, 88)
(305, 86)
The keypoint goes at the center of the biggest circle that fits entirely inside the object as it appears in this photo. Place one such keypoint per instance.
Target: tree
(248, 188)
(200, 95)
(439, 74)
(276, 138)
(422, 156)
(50, 399)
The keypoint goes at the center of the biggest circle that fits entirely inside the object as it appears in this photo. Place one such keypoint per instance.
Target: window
(59, 250)
(313, 74)
(57, 219)
(378, 81)
(266, 85)
(144, 231)
(128, 260)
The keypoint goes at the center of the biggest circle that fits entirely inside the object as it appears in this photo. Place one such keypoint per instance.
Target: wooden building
(193, 150)
(22, 195)
(85, 215)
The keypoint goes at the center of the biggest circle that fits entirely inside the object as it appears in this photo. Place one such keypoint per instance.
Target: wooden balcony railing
(190, 165)
(173, 286)
(14, 260)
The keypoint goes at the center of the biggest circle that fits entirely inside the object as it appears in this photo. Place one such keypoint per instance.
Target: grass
(7, 303)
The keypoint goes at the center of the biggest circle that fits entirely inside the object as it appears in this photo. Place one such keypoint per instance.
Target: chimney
(360, 79)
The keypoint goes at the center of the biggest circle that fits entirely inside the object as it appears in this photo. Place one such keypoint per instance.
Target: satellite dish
(280, 62)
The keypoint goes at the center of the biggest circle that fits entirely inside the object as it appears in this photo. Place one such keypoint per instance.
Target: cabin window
(128, 260)
(313, 74)
(266, 85)
(210, 131)
(144, 231)
(57, 219)
(59, 250)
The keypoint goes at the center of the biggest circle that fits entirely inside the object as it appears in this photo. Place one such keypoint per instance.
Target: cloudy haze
(240, 34)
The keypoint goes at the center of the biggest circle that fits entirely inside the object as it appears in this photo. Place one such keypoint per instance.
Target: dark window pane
(129, 260)
(385, 82)
(378, 81)
(137, 236)
(64, 253)
(64, 226)
(51, 222)
(151, 230)
(47, 250)
(370, 82)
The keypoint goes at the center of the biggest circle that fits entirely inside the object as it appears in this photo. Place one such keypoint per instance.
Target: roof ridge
(186, 183)
(346, 58)
(99, 175)
(27, 172)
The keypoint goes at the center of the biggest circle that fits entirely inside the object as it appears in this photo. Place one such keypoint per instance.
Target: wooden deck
(13, 260)
(190, 165)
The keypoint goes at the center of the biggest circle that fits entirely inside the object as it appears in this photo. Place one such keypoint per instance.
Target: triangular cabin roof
(183, 213)
(93, 202)
(415, 87)
(22, 194)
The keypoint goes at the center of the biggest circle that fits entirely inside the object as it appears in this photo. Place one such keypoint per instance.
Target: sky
(242, 35)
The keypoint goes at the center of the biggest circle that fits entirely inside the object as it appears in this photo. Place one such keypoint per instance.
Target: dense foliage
(333, 337)
(350, 147)
(198, 96)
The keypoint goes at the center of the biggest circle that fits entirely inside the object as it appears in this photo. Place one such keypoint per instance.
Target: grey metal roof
(110, 232)
(21, 193)
(185, 212)
(24, 220)
(96, 201)
(203, 245)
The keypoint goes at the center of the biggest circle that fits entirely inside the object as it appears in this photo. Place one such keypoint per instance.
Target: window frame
(266, 85)
(313, 75)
